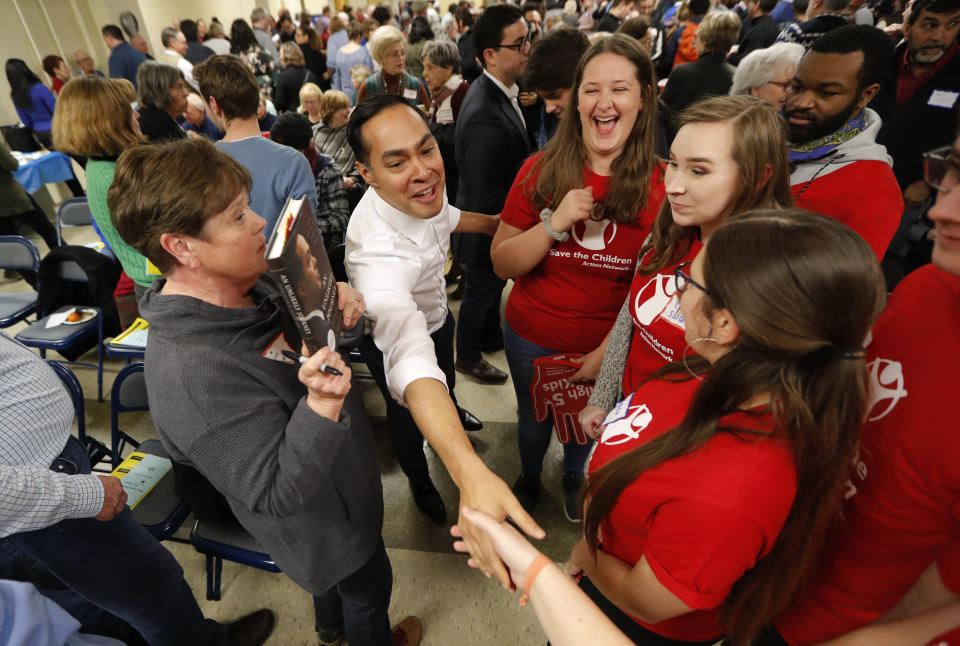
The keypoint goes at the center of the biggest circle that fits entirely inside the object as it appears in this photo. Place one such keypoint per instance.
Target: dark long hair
(241, 36)
(420, 30)
(565, 157)
(760, 142)
(21, 80)
(804, 290)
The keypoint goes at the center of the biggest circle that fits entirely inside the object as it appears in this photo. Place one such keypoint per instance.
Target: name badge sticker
(445, 115)
(409, 94)
(943, 99)
(619, 411)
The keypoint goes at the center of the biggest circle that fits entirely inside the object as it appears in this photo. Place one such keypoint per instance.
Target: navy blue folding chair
(230, 541)
(74, 212)
(162, 511)
(68, 336)
(96, 449)
(18, 254)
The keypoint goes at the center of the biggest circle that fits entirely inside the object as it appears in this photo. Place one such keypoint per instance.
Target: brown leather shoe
(482, 371)
(407, 632)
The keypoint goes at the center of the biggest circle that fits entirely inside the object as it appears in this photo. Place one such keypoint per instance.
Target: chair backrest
(129, 394)
(16, 252)
(76, 393)
(74, 212)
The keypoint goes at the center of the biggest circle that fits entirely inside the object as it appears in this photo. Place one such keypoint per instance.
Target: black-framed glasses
(941, 169)
(682, 280)
(519, 45)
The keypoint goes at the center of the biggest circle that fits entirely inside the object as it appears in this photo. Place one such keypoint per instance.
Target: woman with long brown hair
(714, 483)
(729, 156)
(571, 227)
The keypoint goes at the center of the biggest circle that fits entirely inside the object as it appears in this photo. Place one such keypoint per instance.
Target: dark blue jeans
(533, 437)
(478, 324)
(405, 437)
(360, 602)
(109, 575)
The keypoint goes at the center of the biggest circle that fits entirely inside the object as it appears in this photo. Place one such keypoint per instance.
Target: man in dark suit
(491, 145)
(762, 32)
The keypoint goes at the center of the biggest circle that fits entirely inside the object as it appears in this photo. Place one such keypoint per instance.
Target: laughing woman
(591, 195)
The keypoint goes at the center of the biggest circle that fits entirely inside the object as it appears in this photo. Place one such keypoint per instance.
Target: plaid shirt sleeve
(333, 208)
(33, 498)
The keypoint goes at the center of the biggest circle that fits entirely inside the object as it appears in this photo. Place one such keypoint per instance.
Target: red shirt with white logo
(952, 638)
(570, 300)
(702, 519)
(658, 327)
(903, 507)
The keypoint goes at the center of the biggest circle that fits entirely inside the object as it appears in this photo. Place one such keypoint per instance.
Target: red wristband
(538, 564)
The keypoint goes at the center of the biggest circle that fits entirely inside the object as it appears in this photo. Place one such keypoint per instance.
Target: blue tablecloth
(52, 167)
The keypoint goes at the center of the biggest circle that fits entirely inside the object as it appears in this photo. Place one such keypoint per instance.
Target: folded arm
(33, 498)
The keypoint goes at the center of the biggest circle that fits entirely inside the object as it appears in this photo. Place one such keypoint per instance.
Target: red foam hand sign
(551, 392)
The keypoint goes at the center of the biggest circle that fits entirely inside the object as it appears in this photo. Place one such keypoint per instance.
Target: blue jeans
(109, 575)
(533, 437)
(360, 602)
(478, 324)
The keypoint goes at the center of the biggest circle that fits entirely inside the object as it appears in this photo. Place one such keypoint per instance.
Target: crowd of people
(738, 221)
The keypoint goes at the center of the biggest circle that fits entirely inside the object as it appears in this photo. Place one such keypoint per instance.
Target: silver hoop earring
(702, 339)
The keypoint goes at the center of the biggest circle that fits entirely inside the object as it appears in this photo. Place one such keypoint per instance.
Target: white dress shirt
(396, 261)
(186, 67)
(512, 93)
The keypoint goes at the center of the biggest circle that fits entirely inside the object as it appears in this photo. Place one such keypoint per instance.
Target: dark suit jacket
(491, 145)
(711, 75)
(763, 32)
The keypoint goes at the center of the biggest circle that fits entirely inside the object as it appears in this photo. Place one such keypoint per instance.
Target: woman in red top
(570, 231)
(714, 483)
(729, 156)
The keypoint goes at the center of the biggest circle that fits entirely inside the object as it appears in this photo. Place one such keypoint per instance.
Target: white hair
(758, 67)
(195, 101)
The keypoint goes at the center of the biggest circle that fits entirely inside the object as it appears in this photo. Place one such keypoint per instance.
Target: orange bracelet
(538, 564)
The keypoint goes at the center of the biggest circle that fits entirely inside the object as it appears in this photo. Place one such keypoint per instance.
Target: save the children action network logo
(594, 235)
(625, 422)
(658, 298)
(886, 387)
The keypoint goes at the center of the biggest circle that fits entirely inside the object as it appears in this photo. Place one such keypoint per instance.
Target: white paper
(59, 318)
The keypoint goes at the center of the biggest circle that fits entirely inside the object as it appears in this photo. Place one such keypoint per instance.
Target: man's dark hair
(464, 17)
(533, 6)
(488, 32)
(292, 129)
(699, 7)
(636, 27)
(933, 6)
(877, 48)
(800, 6)
(228, 80)
(382, 14)
(189, 29)
(113, 31)
(366, 110)
(552, 64)
(766, 6)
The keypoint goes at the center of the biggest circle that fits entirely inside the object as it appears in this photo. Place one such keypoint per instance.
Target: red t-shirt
(702, 519)
(863, 195)
(570, 300)
(952, 638)
(903, 507)
(658, 327)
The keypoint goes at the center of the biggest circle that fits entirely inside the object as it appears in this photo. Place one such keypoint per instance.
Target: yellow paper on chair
(140, 473)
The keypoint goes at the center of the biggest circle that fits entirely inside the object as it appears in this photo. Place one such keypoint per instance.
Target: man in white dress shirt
(174, 47)
(396, 247)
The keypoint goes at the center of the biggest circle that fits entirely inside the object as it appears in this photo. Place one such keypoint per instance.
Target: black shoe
(330, 637)
(469, 420)
(428, 501)
(527, 491)
(252, 630)
(572, 482)
(482, 371)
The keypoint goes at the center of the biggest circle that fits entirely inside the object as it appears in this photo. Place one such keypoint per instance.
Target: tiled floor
(456, 604)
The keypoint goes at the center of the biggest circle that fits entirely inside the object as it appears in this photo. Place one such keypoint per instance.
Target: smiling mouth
(605, 125)
(426, 195)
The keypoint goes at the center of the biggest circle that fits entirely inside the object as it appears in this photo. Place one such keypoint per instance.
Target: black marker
(293, 356)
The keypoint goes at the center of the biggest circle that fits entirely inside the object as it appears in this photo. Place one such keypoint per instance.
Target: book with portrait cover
(298, 262)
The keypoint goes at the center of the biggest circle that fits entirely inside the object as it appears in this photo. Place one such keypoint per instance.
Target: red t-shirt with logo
(903, 507)
(952, 638)
(570, 300)
(701, 519)
(658, 326)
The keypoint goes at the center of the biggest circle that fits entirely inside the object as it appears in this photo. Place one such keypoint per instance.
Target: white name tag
(943, 99)
(445, 115)
(409, 94)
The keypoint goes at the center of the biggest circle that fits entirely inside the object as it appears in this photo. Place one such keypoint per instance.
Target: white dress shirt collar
(412, 227)
(512, 92)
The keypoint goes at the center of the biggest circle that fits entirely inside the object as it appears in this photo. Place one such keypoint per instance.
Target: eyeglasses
(519, 45)
(780, 84)
(941, 169)
(682, 280)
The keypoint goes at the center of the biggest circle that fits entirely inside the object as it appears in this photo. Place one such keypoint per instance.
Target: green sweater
(99, 179)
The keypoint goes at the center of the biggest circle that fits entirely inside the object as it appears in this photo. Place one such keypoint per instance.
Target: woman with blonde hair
(292, 78)
(94, 119)
(310, 97)
(570, 231)
(330, 139)
(388, 46)
(728, 157)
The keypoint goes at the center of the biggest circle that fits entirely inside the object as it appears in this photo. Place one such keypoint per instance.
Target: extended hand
(349, 182)
(590, 419)
(114, 498)
(351, 304)
(576, 205)
(517, 553)
(589, 365)
(580, 558)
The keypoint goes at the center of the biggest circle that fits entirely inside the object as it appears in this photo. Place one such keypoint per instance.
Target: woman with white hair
(765, 73)
(388, 46)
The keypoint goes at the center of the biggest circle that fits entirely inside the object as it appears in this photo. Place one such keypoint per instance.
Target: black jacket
(469, 67)
(198, 52)
(289, 82)
(918, 126)
(689, 82)
(158, 125)
(763, 32)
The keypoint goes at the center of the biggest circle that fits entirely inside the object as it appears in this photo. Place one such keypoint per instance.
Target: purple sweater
(40, 116)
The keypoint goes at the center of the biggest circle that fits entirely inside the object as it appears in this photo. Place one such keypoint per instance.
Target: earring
(702, 339)
(684, 356)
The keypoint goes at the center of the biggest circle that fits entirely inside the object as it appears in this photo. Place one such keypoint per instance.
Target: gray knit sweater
(306, 487)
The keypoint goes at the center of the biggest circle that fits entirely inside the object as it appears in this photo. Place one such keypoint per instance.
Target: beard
(927, 55)
(818, 126)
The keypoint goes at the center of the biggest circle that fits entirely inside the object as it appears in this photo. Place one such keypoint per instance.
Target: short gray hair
(443, 53)
(258, 14)
(168, 35)
(196, 102)
(154, 81)
(383, 39)
(758, 67)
